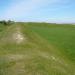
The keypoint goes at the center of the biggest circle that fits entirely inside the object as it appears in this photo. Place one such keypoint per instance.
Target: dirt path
(18, 36)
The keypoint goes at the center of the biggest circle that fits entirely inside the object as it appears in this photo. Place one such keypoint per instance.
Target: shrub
(9, 22)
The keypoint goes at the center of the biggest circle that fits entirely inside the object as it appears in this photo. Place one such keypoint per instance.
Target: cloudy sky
(38, 10)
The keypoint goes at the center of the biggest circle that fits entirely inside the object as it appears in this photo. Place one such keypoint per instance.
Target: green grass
(60, 36)
(47, 49)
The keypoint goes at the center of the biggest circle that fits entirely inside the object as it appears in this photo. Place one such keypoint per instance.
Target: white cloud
(25, 7)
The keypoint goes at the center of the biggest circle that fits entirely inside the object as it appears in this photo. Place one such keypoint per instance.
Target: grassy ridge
(42, 52)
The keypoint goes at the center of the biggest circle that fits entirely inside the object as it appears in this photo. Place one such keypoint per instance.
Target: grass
(60, 36)
(47, 49)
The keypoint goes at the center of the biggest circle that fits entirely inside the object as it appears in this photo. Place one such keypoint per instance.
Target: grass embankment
(44, 49)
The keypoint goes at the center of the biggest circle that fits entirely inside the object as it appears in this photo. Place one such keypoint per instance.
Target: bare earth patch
(18, 36)
(16, 57)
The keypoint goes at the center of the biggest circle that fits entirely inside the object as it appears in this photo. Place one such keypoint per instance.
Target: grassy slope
(47, 50)
(60, 36)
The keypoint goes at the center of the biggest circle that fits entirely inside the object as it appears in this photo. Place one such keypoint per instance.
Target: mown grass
(47, 50)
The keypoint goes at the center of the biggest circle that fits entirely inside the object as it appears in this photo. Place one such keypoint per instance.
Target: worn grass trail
(24, 52)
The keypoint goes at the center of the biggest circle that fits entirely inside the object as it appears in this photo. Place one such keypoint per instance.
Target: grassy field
(37, 49)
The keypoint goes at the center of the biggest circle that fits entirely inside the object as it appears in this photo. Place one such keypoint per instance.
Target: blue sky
(38, 10)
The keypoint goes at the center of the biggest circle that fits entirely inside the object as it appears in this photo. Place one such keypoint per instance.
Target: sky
(54, 11)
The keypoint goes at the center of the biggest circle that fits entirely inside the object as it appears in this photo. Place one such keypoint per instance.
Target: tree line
(9, 22)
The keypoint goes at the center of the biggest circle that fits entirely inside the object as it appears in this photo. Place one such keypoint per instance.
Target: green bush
(9, 22)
